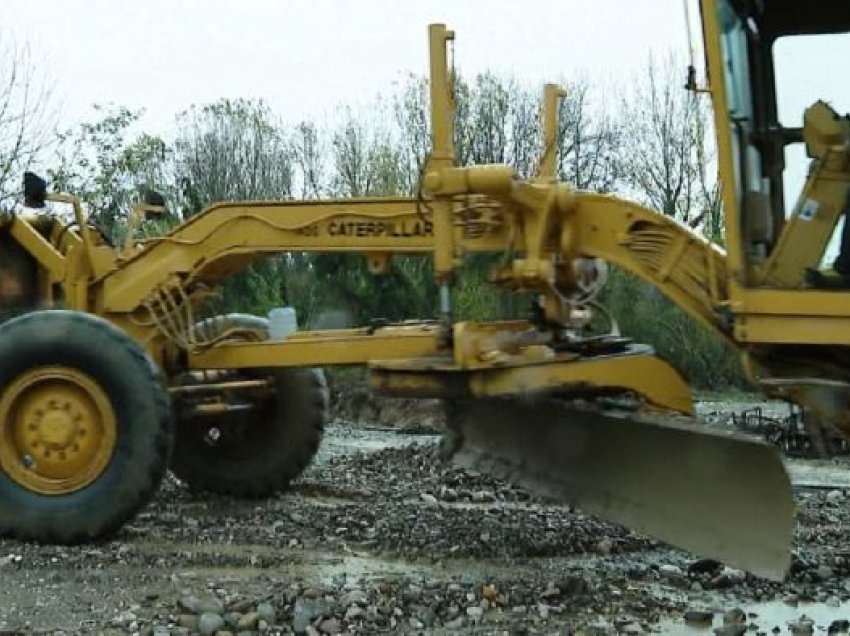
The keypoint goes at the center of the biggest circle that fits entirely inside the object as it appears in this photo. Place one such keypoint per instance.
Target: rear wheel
(85, 427)
(257, 452)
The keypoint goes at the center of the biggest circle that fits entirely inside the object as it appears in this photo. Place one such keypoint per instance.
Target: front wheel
(85, 427)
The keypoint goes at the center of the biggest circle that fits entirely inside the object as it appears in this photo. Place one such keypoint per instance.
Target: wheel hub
(58, 430)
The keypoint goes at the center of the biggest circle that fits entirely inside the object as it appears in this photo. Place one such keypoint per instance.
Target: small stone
(224, 632)
(668, 570)
(427, 617)
(838, 626)
(207, 604)
(330, 626)
(262, 627)
(428, 498)
(734, 616)
(210, 623)
(305, 611)
(248, 621)
(354, 612)
(455, 623)
(599, 628)
(698, 616)
(124, 618)
(189, 621)
(231, 619)
(705, 566)
(604, 547)
(733, 629)
(265, 612)
(354, 597)
(803, 627)
(475, 613)
(834, 496)
(824, 572)
(729, 576)
(631, 629)
(489, 592)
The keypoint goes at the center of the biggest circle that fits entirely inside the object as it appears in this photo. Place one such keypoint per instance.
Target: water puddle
(818, 473)
(766, 616)
(343, 440)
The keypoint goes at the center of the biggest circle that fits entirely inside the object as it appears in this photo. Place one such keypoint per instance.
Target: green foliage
(647, 316)
(109, 167)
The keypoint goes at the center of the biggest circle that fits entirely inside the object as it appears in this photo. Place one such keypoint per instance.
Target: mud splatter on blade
(717, 495)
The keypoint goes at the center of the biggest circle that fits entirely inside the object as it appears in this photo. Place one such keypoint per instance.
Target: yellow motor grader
(114, 378)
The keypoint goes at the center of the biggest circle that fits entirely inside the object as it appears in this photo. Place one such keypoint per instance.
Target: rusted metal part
(216, 408)
(796, 435)
(236, 385)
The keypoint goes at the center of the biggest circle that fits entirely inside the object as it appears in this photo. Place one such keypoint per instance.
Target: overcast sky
(305, 56)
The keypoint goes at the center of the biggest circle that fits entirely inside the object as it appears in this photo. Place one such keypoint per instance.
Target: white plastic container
(282, 323)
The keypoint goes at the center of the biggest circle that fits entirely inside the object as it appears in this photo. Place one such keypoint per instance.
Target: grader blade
(717, 495)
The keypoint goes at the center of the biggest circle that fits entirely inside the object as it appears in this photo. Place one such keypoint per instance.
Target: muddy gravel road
(379, 536)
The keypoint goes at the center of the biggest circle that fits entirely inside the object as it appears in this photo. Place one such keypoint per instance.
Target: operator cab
(772, 54)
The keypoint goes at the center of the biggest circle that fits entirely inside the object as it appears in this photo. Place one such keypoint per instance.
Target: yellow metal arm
(683, 265)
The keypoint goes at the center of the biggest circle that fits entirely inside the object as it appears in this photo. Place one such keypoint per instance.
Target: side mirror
(35, 190)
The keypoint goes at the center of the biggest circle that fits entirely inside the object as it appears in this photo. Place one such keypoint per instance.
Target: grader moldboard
(101, 397)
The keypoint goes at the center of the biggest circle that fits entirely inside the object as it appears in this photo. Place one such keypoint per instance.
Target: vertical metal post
(552, 94)
(442, 149)
(442, 100)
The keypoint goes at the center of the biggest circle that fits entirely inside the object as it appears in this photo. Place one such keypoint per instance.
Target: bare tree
(231, 150)
(662, 131)
(710, 201)
(366, 159)
(412, 119)
(588, 142)
(308, 153)
(26, 116)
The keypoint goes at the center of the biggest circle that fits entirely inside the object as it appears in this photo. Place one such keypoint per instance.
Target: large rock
(307, 610)
(209, 623)
(202, 604)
